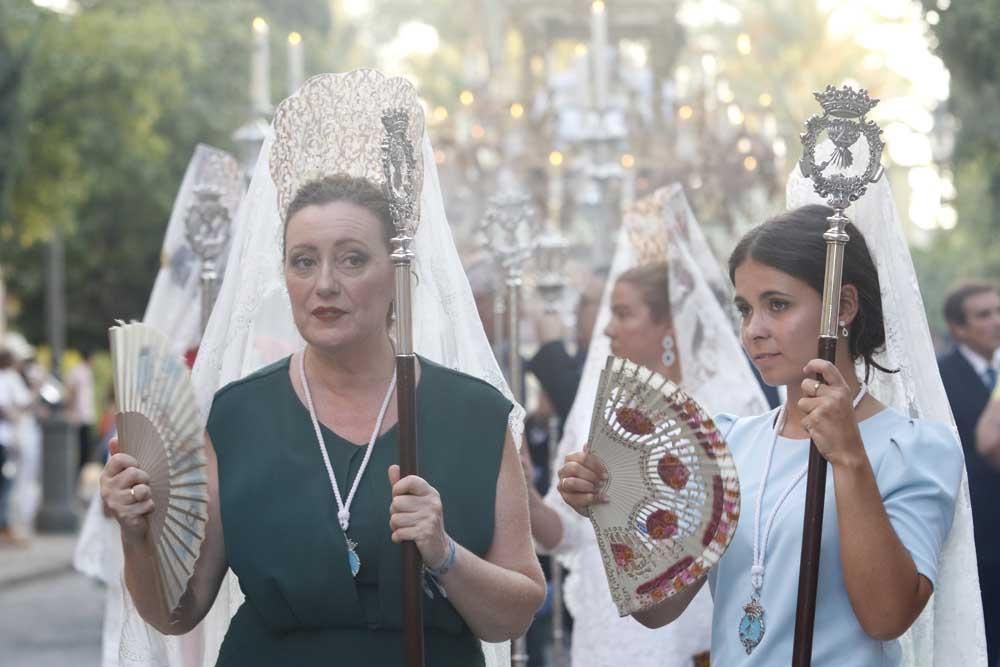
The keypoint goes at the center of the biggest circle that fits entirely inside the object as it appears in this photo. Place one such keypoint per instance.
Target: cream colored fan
(674, 498)
(159, 424)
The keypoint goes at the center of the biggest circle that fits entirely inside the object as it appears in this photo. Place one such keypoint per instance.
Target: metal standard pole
(843, 121)
(399, 164)
(507, 229)
(519, 648)
(551, 285)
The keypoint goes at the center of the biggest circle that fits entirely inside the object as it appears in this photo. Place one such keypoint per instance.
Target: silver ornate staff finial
(207, 228)
(843, 120)
(550, 281)
(507, 230)
(399, 165)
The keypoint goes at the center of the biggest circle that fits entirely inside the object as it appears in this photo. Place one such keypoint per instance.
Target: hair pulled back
(342, 187)
(793, 243)
(653, 283)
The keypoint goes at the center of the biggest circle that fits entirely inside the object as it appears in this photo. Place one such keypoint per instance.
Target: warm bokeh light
(628, 160)
(749, 163)
(765, 100)
(259, 25)
(294, 38)
(685, 112)
(597, 7)
(580, 50)
(555, 158)
(735, 114)
(744, 145)
(440, 114)
(466, 97)
(743, 44)
(516, 110)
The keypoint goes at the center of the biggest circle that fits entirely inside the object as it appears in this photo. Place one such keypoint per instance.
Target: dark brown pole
(812, 536)
(843, 123)
(399, 162)
(413, 635)
(812, 525)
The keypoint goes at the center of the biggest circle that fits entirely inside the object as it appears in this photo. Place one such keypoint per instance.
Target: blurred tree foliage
(967, 34)
(100, 112)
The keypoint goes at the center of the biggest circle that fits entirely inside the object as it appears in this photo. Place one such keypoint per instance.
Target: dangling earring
(844, 330)
(669, 357)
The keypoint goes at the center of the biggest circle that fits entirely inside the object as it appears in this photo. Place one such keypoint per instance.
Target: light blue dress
(918, 468)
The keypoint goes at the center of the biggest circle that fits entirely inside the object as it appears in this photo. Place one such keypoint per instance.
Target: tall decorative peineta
(338, 123)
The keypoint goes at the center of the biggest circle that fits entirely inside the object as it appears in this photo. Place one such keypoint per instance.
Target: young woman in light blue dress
(893, 479)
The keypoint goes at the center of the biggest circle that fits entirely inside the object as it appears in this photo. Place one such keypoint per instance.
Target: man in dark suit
(969, 374)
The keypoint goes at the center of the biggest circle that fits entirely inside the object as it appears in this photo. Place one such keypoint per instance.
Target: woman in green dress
(306, 502)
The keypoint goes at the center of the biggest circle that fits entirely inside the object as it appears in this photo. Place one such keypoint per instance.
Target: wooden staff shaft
(406, 403)
(812, 526)
(519, 647)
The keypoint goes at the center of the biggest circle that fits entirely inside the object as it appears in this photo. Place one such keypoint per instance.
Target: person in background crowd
(969, 373)
(557, 370)
(988, 431)
(26, 489)
(14, 400)
(80, 409)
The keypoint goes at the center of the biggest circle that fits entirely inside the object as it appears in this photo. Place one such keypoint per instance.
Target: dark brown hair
(341, 187)
(653, 283)
(792, 243)
(954, 304)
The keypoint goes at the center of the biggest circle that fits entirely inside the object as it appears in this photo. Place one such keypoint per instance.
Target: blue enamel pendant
(752, 625)
(353, 560)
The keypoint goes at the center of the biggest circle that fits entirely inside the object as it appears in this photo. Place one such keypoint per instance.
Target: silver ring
(816, 388)
(132, 491)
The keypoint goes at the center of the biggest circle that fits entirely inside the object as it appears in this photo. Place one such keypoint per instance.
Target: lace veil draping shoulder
(173, 309)
(331, 125)
(949, 632)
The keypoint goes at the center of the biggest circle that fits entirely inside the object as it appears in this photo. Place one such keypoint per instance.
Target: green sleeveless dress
(283, 540)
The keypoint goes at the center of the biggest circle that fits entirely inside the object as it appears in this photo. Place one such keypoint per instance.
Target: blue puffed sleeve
(724, 423)
(919, 479)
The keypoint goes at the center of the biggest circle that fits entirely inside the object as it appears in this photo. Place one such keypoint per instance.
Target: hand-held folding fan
(674, 498)
(159, 424)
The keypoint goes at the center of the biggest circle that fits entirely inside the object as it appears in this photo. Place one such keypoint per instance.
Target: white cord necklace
(344, 508)
(752, 623)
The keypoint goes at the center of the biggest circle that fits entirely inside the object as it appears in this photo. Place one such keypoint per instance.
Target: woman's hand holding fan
(157, 486)
(658, 484)
(126, 494)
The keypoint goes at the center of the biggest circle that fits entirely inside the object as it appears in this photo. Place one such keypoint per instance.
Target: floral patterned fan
(673, 494)
(159, 424)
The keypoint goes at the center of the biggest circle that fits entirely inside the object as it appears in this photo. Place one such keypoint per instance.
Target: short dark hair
(793, 243)
(342, 187)
(954, 303)
(653, 283)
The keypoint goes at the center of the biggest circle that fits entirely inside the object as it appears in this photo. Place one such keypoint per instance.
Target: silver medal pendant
(752, 625)
(353, 560)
